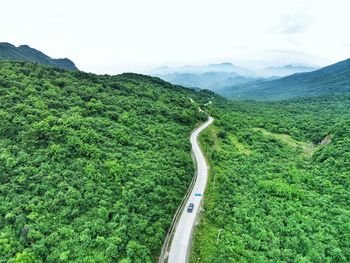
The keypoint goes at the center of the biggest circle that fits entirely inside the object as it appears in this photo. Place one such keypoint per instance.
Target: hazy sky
(112, 36)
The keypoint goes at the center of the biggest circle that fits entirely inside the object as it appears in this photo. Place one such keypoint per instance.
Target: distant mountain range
(223, 67)
(332, 79)
(25, 53)
(212, 77)
(207, 80)
(286, 70)
(218, 76)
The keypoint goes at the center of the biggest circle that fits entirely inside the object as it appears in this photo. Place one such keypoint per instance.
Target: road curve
(181, 241)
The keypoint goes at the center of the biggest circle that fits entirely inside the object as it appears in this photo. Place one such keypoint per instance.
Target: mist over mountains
(333, 79)
(283, 71)
(270, 83)
(219, 76)
(223, 67)
(226, 79)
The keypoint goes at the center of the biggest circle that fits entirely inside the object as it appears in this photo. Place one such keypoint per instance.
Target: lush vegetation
(9, 52)
(326, 81)
(92, 168)
(279, 188)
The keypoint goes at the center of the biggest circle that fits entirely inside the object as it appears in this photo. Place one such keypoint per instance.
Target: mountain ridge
(331, 79)
(10, 52)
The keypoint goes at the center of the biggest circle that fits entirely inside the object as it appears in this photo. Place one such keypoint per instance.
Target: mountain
(286, 70)
(10, 52)
(332, 79)
(212, 77)
(213, 80)
(92, 167)
(223, 67)
(217, 77)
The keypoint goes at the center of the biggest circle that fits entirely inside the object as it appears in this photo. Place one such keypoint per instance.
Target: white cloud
(293, 24)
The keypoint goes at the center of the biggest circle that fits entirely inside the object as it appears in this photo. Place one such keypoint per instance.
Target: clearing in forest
(308, 148)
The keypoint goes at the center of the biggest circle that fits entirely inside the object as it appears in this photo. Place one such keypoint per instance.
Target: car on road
(190, 208)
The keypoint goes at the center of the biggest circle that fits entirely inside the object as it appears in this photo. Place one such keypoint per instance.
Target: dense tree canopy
(279, 187)
(92, 168)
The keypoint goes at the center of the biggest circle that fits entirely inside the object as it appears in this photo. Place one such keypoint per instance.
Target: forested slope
(333, 79)
(279, 188)
(92, 168)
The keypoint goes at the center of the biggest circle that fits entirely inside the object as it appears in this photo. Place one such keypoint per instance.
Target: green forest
(92, 168)
(279, 187)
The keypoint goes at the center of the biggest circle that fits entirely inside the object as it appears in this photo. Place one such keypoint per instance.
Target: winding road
(181, 242)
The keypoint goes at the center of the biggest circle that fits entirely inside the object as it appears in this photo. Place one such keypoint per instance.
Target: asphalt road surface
(181, 242)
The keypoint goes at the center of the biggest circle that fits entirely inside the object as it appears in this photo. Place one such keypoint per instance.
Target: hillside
(92, 168)
(25, 53)
(279, 185)
(329, 80)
